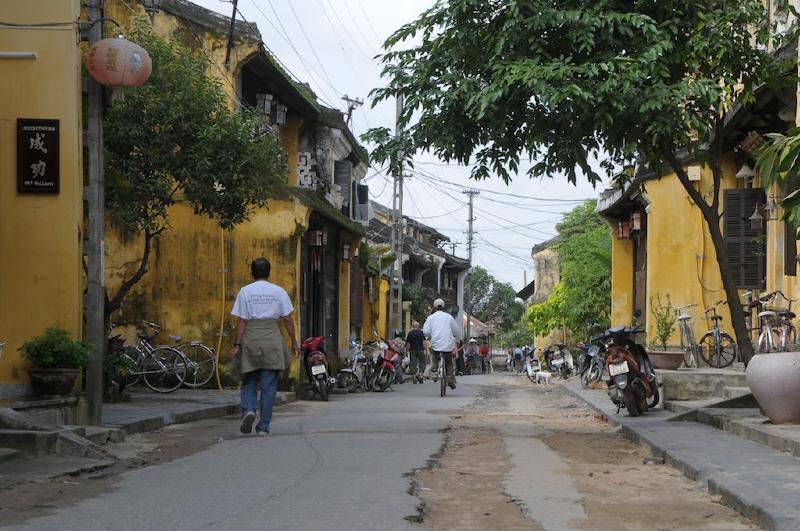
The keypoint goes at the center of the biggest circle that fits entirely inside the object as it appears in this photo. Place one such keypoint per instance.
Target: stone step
(750, 424)
(735, 392)
(29, 442)
(7, 454)
(699, 384)
(101, 434)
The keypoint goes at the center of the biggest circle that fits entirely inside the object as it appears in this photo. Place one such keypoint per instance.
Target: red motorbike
(632, 381)
(317, 367)
(385, 367)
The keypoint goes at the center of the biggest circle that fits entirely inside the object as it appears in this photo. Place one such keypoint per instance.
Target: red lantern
(118, 63)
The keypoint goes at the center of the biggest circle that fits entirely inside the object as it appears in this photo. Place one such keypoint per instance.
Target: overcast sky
(330, 44)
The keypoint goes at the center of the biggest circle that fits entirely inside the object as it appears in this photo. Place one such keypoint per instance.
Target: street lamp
(756, 220)
(151, 7)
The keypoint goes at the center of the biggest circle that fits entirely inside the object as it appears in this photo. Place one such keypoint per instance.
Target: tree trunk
(738, 321)
(115, 303)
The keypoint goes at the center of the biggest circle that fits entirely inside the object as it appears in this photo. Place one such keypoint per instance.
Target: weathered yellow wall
(382, 301)
(621, 280)
(40, 234)
(681, 261)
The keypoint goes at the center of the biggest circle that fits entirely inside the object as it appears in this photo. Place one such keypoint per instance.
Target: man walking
(442, 330)
(259, 347)
(416, 346)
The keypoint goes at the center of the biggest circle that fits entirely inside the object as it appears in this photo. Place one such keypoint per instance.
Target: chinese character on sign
(38, 169)
(37, 142)
(38, 156)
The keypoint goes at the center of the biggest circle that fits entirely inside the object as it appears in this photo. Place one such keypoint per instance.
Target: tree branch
(716, 154)
(115, 303)
(683, 177)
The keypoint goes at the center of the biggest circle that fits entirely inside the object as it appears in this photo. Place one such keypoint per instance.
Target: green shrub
(664, 315)
(55, 350)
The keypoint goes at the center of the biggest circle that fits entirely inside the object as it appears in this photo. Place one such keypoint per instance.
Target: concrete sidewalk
(149, 411)
(761, 483)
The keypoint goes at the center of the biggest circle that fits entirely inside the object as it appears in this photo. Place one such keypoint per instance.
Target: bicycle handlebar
(154, 326)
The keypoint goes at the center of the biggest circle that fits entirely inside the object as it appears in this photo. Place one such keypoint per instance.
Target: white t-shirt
(442, 330)
(262, 300)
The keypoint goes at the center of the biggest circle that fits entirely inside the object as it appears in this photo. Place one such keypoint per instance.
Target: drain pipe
(220, 332)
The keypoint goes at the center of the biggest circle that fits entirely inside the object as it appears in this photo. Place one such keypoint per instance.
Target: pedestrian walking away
(416, 348)
(259, 351)
(442, 330)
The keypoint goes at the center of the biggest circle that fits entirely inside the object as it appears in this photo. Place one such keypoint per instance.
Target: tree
(564, 83)
(174, 139)
(492, 301)
(584, 255)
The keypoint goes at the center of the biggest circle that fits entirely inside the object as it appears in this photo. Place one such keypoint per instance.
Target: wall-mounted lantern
(280, 114)
(756, 220)
(624, 230)
(636, 222)
(151, 8)
(745, 172)
(118, 62)
(264, 103)
(345, 252)
(317, 238)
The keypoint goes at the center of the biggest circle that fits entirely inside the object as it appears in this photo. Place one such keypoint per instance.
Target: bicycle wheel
(718, 355)
(788, 342)
(202, 364)
(129, 376)
(164, 369)
(764, 344)
(442, 378)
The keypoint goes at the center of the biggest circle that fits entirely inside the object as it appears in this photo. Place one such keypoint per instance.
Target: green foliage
(584, 254)
(421, 298)
(492, 301)
(664, 315)
(550, 314)
(563, 82)
(174, 138)
(777, 162)
(55, 350)
(519, 333)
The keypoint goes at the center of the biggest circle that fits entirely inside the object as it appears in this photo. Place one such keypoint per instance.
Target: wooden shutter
(746, 247)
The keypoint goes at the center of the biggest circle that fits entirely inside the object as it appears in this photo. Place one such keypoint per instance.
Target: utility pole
(470, 245)
(352, 104)
(230, 35)
(395, 313)
(95, 237)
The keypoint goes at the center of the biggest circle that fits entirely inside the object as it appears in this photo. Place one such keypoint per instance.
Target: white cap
(438, 303)
(473, 340)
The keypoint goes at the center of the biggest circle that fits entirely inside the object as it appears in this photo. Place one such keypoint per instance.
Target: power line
(357, 47)
(313, 51)
(358, 26)
(369, 22)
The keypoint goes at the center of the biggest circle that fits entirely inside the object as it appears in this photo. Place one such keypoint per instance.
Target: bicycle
(689, 346)
(718, 348)
(163, 368)
(787, 333)
(201, 359)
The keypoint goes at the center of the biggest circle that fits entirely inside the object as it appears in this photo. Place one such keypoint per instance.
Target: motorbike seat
(176, 339)
(788, 315)
(767, 314)
(616, 330)
(716, 318)
(684, 317)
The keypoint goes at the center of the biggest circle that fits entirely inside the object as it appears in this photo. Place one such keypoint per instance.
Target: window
(746, 247)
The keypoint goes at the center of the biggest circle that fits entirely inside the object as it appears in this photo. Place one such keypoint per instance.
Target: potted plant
(57, 361)
(664, 316)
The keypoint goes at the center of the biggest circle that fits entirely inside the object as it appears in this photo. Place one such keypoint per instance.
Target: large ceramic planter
(774, 380)
(53, 382)
(667, 360)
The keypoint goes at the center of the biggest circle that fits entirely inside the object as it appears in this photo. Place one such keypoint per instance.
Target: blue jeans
(268, 379)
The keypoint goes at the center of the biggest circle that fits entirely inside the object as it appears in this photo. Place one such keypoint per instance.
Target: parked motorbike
(632, 381)
(532, 365)
(357, 376)
(594, 363)
(317, 367)
(559, 360)
(385, 367)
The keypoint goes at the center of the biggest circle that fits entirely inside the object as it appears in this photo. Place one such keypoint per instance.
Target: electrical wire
(361, 32)
(369, 22)
(342, 42)
(357, 47)
(310, 45)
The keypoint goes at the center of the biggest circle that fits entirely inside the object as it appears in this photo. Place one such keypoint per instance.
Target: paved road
(339, 465)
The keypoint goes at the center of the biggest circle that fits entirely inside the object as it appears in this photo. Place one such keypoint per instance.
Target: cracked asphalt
(496, 453)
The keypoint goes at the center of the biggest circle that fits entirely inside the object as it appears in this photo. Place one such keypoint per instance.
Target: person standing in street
(486, 362)
(442, 330)
(259, 349)
(472, 355)
(415, 340)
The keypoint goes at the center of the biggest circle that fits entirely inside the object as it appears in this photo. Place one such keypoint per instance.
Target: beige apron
(263, 347)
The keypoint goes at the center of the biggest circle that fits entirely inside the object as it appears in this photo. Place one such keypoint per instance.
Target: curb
(159, 421)
(755, 504)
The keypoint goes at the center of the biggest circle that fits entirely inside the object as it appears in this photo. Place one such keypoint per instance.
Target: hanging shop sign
(38, 169)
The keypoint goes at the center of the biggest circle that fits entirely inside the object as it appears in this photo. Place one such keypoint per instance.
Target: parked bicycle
(774, 337)
(163, 368)
(689, 346)
(718, 349)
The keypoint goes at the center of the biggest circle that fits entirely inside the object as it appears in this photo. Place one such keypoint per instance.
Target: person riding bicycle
(442, 329)
(518, 355)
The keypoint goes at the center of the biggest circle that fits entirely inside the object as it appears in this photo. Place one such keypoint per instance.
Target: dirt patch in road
(621, 492)
(464, 488)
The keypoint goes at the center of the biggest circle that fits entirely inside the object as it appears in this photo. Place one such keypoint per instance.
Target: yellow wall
(681, 261)
(40, 235)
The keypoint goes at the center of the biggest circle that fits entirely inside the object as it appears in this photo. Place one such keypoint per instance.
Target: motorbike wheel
(349, 381)
(382, 381)
(323, 389)
(656, 396)
(631, 402)
(564, 372)
(592, 374)
(531, 376)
